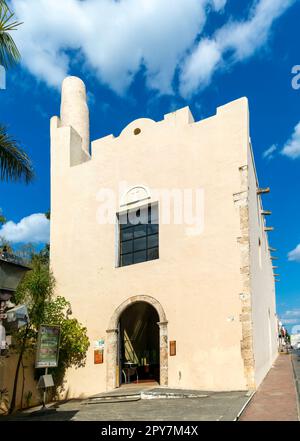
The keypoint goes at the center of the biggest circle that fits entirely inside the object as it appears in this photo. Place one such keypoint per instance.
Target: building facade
(158, 240)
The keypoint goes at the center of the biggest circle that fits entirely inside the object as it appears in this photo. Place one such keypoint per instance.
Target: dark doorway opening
(139, 344)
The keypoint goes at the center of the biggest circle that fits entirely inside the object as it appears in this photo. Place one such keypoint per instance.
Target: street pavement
(211, 406)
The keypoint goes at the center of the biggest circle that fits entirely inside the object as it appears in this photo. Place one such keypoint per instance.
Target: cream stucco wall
(197, 279)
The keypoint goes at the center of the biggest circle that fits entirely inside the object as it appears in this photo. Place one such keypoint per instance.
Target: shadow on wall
(27, 392)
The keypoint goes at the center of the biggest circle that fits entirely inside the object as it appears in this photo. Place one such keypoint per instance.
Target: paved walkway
(276, 398)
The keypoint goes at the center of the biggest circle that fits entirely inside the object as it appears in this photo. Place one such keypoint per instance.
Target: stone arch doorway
(112, 355)
(138, 344)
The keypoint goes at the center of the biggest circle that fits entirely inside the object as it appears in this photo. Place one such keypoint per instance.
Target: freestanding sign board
(48, 347)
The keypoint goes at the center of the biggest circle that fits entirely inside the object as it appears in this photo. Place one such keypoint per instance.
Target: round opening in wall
(137, 131)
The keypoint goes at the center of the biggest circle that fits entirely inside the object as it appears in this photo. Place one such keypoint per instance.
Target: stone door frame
(112, 369)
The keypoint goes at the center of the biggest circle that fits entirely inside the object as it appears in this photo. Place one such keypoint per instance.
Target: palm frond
(9, 53)
(2, 219)
(14, 163)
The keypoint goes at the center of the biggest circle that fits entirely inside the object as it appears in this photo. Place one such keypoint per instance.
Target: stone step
(170, 395)
(125, 396)
(112, 399)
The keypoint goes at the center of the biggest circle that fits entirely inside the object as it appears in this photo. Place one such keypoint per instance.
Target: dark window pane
(126, 247)
(126, 259)
(153, 241)
(152, 254)
(139, 244)
(127, 233)
(124, 226)
(139, 239)
(140, 256)
(153, 229)
(140, 231)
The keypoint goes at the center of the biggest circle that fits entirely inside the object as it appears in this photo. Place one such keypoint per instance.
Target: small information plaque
(172, 348)
(98, 356)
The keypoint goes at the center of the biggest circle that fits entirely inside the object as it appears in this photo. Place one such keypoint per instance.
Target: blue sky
(147, 61)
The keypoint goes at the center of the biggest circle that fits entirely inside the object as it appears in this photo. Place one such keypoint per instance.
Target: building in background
(186, 297)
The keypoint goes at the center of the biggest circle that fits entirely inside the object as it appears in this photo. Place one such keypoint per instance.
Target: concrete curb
(244, 406)
(297, 385)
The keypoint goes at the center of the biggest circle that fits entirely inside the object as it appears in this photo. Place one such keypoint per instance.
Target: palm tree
(9, 54)
(14, 162)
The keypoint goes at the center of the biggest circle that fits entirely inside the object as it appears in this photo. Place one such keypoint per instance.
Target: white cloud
(269, 153)
(293, 313)
(202, 62)
(294, 255)
(291, 317)
(290, 321)
(235, 41)
(245, 37)
(292, 146)
(115, 38)
(219, 4)
(34, 228)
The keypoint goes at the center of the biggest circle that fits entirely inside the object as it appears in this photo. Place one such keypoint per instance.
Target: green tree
(74, 342)
(26, 251)
(37, 292)
(2, 218)
(5, 245)
(44, 254)
(9, 53)
(15, 165)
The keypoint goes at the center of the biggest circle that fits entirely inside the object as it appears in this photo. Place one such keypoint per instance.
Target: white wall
(262, 281)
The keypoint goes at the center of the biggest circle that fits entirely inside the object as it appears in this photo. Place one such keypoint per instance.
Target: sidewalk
(276, 398)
